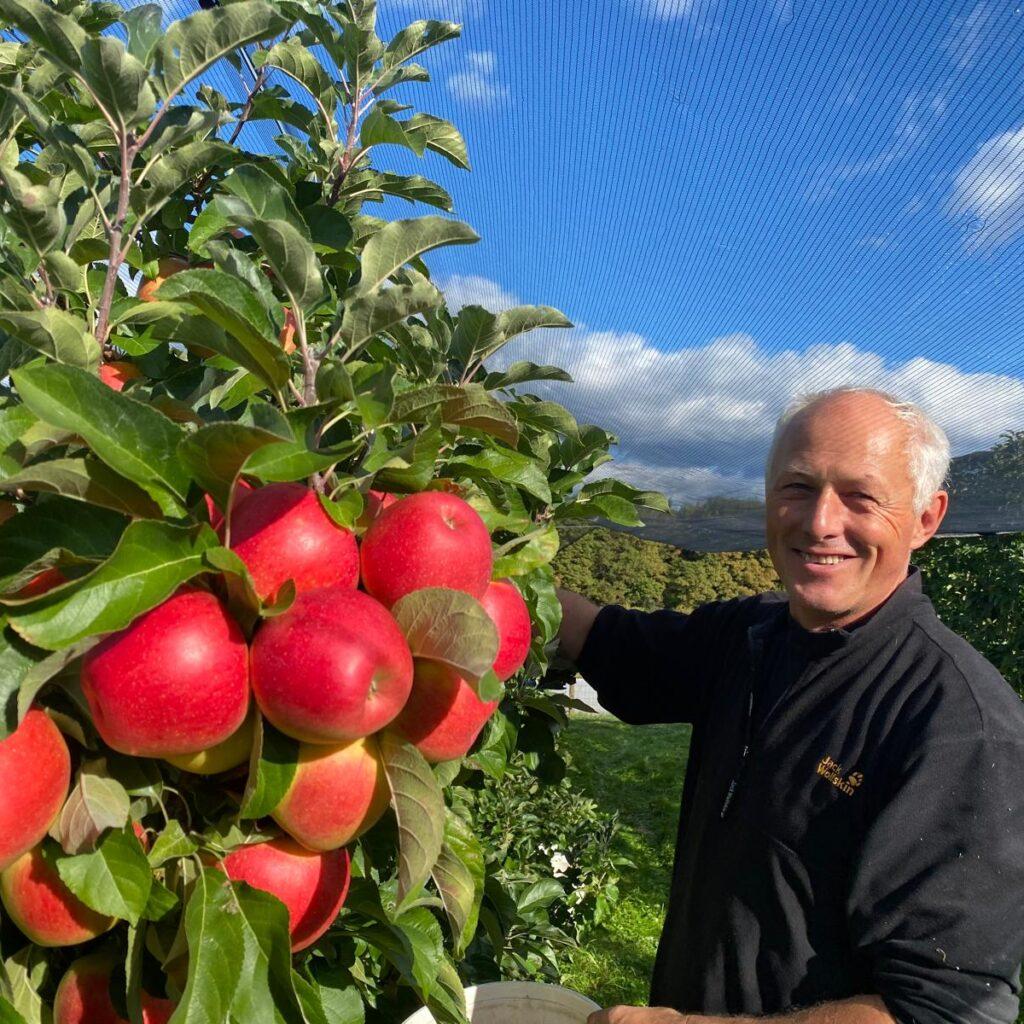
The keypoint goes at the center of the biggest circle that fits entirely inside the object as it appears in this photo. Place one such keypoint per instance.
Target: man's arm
(859, 1010)
(578, 616)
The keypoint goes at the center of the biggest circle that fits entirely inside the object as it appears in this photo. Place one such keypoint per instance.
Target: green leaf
(237, 309)
(518, 559)
(329, 229)
(414, 945)
(344, 509)
(9, 1015)
(43, 671)
(264, 195)
(114, 879)
(85, 480)
(459, 877)
(160, 903)
(294, 60)
(447, 1003)
(414, 188)
(55, 33)
(546, 415)
(16, 659)
(21, 977)
(419, 808)
(449, 626)
(171, 844)
(274, 762)
(96, 802)
(522, 371)
(469, 406)
(34, 211)
(87, 531)
(119, 81)
(338, 994)
(400, 241)
(417, 37)
(59, 335)
(380, 129)
(145, 27)
(239, 965)
(476, 331)
(133, 439)
(440, 137)
(285, 461)
(214, 455)
(520, 319)
(150, 562)
(367, 315)
(507, 466)
(411, 468)
(196, 43)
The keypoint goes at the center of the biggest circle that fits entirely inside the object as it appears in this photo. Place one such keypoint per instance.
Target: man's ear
(930, 520)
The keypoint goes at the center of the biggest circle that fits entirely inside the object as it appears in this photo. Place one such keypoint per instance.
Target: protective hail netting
(737, 201)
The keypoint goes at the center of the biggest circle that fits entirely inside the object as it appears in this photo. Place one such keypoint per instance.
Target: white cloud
(694, 422)
(989, 192)
(669, 10)
(711, 410)
(477, 81)
(970, 34)
(470, 290)
(683, 485)
(920, 114)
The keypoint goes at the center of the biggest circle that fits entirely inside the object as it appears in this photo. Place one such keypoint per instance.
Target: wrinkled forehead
(855, 440)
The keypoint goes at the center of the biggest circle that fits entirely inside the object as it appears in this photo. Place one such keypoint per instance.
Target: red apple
(166, 268)
(443, 715)
(337, 794)
(282, 532)
(506, 607)
(176, 681)
(116, 374)
(42, 582)
(334, 667)
(430, 539)
(8, 510)
(35, 770)
(83, 996)
(313, 886)
(43, 907)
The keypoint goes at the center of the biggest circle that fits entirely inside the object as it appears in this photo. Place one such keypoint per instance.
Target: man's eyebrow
(867, 480)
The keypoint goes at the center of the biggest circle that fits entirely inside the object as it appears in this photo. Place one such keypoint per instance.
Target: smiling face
(840, 516)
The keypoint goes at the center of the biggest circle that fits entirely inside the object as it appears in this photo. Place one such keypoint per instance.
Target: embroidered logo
(847, 783)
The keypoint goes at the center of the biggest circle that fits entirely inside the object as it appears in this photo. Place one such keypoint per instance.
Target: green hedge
(976, 583)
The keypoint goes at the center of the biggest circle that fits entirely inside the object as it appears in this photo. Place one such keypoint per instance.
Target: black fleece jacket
(871, 839)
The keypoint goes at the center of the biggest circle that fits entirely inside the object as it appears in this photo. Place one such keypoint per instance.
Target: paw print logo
(855, 778)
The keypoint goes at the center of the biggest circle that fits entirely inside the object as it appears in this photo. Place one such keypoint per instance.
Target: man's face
(840, 486)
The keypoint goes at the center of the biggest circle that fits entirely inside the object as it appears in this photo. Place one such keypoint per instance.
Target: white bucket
(519, 1002)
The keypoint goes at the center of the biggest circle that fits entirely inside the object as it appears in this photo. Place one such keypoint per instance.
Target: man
(851, 842)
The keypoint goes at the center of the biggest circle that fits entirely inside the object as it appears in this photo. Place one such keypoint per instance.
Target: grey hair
(928, 453)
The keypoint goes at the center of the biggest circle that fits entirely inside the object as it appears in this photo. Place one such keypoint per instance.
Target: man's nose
(825, 514)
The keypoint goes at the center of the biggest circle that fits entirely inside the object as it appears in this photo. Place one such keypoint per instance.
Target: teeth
(821, 559)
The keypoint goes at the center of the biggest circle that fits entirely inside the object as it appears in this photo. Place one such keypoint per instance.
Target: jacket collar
(907, 601)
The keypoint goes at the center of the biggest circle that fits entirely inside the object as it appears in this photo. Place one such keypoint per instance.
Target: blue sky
(739, 200)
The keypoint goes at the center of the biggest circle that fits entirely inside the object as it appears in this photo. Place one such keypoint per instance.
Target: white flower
(559, 864)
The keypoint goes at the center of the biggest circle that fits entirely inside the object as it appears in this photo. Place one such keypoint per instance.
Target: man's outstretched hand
(637, 1015)
(859, 1010)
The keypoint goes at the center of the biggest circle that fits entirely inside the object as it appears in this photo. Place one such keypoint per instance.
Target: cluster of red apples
(182, 684)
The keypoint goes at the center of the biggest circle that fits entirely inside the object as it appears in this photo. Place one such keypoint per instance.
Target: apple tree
(276, 525)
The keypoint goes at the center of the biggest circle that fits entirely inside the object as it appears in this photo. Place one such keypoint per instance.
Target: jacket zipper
(747, 740)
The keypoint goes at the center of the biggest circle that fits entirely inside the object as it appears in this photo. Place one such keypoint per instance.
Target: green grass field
(637, 771)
